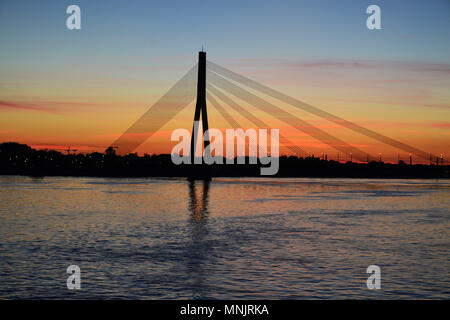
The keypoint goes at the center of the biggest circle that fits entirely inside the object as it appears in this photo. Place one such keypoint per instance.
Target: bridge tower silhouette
(200, 107)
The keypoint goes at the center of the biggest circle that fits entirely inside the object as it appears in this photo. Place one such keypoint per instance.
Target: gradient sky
(85, 87)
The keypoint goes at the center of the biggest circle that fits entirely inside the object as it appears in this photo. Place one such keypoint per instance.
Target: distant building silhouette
(20, 159)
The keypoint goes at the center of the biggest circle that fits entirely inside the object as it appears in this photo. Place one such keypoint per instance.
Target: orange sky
(408, 102)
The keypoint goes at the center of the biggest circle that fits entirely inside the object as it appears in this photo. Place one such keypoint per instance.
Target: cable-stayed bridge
(222, 88)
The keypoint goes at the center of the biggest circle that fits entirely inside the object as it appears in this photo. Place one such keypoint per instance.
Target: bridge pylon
(200, 107)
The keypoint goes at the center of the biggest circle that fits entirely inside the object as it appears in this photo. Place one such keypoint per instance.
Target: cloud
(22, 106)
(61, 107)
(406, 103)
(417, 66)
(399, 124)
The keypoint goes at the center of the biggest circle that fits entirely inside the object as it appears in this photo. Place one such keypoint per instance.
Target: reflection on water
(225, 238)
(199, 201)
(198, 252)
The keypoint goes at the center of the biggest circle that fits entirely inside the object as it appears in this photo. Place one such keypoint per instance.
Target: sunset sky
(84, 88)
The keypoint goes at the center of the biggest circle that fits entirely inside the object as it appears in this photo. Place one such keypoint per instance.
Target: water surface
(248, 238)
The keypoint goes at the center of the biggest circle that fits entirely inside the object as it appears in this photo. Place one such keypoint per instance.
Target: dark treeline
(20, 159)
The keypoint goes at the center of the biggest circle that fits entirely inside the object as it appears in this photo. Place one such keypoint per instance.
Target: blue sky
(412, 30)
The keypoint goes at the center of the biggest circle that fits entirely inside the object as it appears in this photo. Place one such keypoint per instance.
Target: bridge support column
(200, 107)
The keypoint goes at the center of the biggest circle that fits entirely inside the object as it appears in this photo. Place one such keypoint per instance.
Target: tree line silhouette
(21, 159)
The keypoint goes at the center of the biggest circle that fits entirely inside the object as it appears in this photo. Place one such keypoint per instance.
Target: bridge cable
(259, 123)
(285, 116)
(161, 112)
(316, 111)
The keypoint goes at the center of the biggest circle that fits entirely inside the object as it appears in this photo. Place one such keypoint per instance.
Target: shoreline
(20, 159)
(220, 177)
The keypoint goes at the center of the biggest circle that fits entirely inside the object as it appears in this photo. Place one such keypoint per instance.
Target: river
(231, 238)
